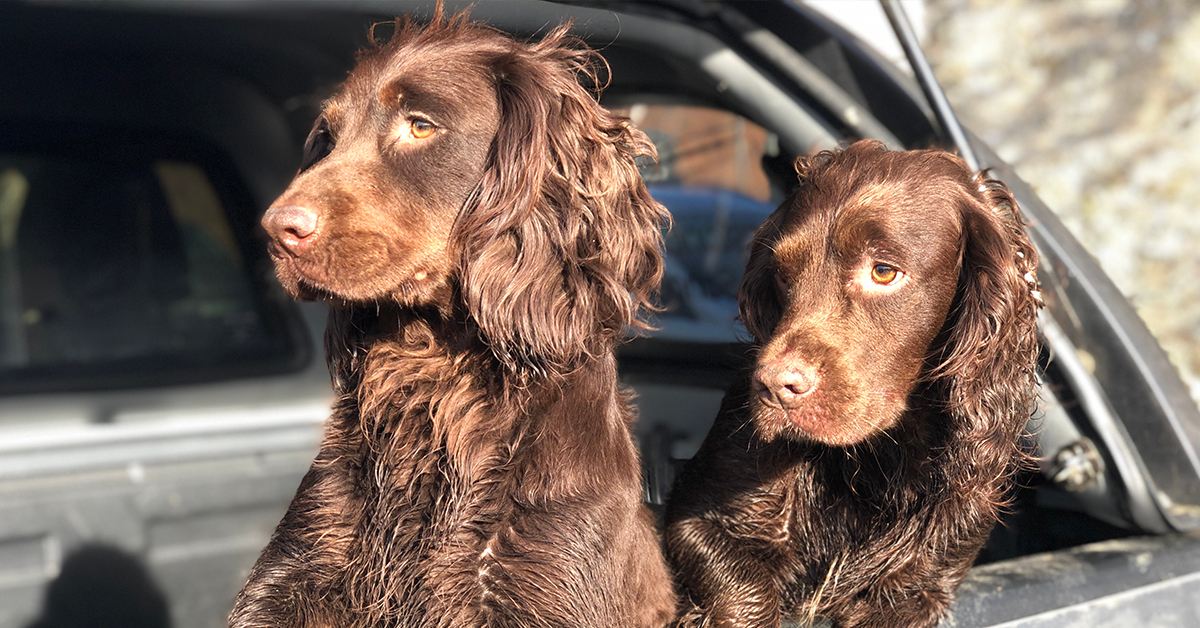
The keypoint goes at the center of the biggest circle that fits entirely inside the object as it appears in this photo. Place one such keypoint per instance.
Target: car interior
(142, 143)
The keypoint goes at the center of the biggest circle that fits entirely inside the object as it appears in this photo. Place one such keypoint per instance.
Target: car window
(710, 176)
(122, 271)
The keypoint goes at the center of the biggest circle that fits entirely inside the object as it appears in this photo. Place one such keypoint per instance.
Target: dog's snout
(785, 386)
(292, 227)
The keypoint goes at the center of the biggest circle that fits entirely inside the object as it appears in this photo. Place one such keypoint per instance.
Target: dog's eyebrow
(394, 93)
(872, 196)
(869, 231)
(400, 93)
(864, 220)
(331, 110)
(854, 238)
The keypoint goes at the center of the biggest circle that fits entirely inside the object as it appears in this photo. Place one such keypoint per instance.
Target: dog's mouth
(811, 420)
(818, 419)
(815, 421)
(789, 404)
(420, 287)
(305, 291)
(295, 282)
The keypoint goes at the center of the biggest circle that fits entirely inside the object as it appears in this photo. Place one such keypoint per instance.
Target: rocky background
(1097, 103)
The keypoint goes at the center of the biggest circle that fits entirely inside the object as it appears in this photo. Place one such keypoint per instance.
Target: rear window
(129, 267)
(710, 176)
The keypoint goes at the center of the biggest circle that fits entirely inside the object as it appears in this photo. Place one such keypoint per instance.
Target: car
(162, 397)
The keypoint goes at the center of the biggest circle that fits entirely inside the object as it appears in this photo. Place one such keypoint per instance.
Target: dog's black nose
(785, 386)
(291, 227)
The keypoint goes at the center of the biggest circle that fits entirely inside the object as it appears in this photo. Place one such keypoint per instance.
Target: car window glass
(710, 176)
(121, 266)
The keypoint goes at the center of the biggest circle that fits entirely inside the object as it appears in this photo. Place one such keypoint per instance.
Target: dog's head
(883, 270)
(460, 170)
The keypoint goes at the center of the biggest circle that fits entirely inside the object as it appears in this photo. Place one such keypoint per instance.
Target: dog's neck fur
(441, 444)
(914, 471)
(399, 366)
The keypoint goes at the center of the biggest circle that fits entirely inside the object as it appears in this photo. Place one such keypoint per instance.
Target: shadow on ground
(103, 587)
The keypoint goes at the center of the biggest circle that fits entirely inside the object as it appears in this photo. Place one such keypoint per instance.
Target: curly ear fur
(562, 246)
(987, 363)
(759, 307)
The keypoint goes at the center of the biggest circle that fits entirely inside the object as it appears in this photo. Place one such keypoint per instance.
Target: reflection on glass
(709, 175)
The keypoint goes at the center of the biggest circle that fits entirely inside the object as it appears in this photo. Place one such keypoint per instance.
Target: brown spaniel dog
(478, 225)
(856, 471)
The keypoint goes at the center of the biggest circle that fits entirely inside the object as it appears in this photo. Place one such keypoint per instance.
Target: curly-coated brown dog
(479, 227)
(856, 471)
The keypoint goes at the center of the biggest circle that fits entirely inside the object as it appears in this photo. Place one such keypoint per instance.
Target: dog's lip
(300, 286)
(764, 396)
(304, 280)
(278, 252)
(308, 292)
(306, 288)
(813, 419)
(810, 420)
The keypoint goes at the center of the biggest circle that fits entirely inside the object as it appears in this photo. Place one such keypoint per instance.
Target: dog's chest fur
(449, 494)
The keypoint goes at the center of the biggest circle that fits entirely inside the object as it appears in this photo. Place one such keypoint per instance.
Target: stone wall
(1097, 104)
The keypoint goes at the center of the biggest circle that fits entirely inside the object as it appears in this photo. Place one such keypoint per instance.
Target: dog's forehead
(432, 78)
(920, 215)
(892, 208)
(896, 218)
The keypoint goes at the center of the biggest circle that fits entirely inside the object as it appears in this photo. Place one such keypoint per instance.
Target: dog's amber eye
(883, 274)
(422, 129)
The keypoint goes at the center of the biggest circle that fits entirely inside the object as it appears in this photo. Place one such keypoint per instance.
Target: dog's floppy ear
(760, 306)
(562, 246)
(989, 357)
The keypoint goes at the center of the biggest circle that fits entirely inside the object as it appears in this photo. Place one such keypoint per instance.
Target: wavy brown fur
(478, 468)
(857, 470)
